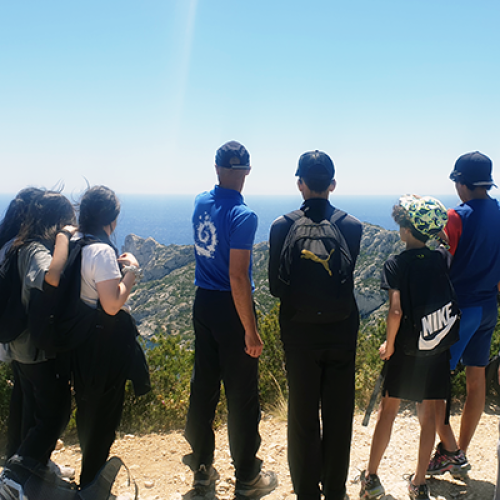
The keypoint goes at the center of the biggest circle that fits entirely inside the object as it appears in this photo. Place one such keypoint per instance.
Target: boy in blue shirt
(473, 231)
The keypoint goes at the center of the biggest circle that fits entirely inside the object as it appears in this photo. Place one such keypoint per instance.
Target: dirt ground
(155, 462)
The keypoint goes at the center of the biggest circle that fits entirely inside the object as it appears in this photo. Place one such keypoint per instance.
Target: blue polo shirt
(221, 222)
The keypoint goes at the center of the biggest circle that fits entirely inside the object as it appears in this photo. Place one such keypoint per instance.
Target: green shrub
(368, 362)
(273, 386)
(165, 407)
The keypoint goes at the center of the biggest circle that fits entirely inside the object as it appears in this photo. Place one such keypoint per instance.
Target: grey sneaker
(264, 483)
(371, 487)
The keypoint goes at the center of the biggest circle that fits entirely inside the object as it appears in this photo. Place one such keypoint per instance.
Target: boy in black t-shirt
(423, 379)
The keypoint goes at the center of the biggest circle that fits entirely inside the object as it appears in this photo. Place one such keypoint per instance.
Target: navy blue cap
(474, 169)
(315, 165)
(233, 155)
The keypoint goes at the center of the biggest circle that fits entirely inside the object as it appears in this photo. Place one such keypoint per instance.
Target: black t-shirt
(395, 266)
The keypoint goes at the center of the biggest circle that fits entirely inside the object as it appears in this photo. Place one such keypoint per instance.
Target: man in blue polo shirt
(227, 343)
(473, 231)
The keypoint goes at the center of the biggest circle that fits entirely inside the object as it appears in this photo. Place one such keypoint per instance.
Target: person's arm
(453, 230)
(241, 290)
(115, 292)
(393, 321)
(61, 249)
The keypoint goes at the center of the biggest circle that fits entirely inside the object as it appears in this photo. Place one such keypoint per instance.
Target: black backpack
(431, 316)
(39, 483)
(58, 319)
(317, 266)
(13, 314)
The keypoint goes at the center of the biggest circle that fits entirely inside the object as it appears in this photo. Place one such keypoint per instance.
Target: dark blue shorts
(476, 328)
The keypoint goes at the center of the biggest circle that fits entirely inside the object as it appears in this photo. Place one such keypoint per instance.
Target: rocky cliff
(162, 301)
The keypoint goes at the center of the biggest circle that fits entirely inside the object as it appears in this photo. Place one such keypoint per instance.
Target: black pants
(15, 421)
(220, 355)
(46, 406)
(320, 380)
(100, 369)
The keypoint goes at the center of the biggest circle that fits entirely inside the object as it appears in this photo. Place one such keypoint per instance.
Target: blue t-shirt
(475, 269)
(221, 222)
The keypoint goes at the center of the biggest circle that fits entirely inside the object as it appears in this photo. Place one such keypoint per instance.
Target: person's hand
(127, 259)
(253, 344)
(71, 229)
(386, 351)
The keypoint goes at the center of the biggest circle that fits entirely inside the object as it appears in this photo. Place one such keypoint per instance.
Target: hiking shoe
(455, 463)
(420, 492)
(371, 487)
(205, 477)
(264, 483)
(62, 471)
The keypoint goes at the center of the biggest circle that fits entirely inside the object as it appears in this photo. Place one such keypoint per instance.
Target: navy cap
(474, 169)
(315, 165)
(233, 155)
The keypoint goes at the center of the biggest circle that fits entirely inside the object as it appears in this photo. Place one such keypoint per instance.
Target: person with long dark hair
(102, 364)
(9, 228)
(44, 381)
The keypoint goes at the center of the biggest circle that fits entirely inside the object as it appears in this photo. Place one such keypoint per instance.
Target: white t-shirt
(98, 264)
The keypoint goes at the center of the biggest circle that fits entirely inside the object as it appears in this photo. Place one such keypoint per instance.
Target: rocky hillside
(162, 300)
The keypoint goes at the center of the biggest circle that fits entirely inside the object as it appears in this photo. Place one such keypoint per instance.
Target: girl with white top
(102, 364)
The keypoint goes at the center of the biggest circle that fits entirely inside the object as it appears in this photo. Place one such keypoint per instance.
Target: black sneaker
(371, 487)
(418, 492)
(264, 483)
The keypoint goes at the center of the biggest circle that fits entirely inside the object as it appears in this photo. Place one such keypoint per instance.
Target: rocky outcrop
(162, 301)
(158, 261)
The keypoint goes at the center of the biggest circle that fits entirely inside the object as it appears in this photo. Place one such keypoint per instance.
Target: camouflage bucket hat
(427, 215)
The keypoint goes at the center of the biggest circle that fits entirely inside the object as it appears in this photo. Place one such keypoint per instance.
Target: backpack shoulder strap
(337, 215)
(294, 216)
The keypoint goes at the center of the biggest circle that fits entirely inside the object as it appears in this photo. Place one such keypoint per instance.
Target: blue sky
(138, 95)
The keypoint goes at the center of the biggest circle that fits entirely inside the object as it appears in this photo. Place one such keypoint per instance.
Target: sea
(167, 218)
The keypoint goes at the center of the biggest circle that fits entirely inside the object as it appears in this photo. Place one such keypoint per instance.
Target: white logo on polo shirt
(205, 237)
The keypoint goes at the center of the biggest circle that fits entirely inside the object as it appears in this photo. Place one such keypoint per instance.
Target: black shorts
(418, 378)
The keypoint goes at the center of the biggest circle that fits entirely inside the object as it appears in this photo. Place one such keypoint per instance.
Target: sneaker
(62, 471)
(443, 461)
(264, 483)
(420, 492)
(371, 487)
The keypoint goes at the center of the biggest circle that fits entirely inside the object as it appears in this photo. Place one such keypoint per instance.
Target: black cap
(315, 165)
(474, 169)
(233, 155)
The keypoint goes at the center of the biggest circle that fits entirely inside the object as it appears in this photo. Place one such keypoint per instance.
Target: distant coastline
(167, 218)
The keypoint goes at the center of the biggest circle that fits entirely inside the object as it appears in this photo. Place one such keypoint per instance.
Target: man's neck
(235, 186)
(467, 194)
